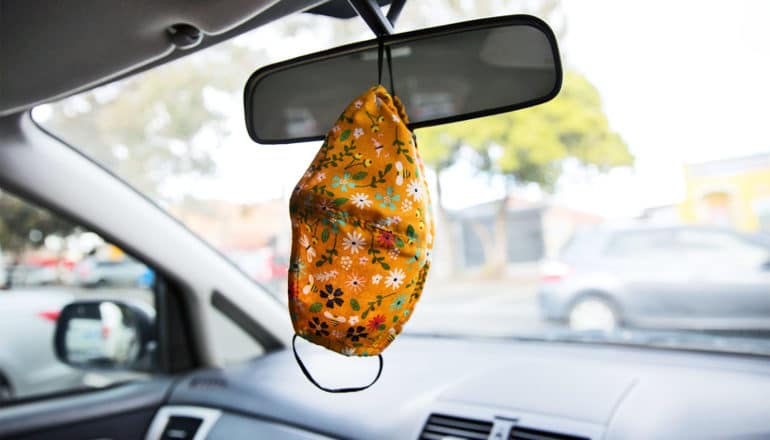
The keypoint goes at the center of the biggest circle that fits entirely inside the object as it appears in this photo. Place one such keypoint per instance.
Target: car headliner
(51, 48)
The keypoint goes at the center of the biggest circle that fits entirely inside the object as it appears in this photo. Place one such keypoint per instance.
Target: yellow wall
(747, 196)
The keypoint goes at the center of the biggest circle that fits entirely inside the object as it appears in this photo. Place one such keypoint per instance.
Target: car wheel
(6, 392)
(593, 313)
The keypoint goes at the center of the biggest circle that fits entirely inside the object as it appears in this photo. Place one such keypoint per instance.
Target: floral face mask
(362, 232)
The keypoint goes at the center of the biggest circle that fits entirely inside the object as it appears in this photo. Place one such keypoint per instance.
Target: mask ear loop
(380, 48)
(381, 53)
(390, 71)
(331, 390)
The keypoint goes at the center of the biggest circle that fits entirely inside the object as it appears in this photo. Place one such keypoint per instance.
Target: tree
(19, 220)
(530, 146)
(161, 123)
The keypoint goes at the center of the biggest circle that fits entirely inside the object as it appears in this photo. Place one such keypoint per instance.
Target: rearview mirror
(105, 335)
(444, 74)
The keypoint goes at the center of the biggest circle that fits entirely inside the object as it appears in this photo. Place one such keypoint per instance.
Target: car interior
(200, 350)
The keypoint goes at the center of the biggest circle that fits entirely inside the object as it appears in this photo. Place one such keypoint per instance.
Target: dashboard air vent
(522, 433)
(441, 427)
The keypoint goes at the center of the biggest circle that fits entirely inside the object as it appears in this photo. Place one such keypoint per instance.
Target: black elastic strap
(331, 390)
(380, 48)
(390, 71)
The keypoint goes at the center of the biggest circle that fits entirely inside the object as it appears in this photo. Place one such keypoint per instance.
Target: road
(486, 308)
(483, 308)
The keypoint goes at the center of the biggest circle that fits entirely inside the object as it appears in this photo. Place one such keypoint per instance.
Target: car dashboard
(440, 388)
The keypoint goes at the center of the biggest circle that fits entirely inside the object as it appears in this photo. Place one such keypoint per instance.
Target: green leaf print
(316, 307)
(354, 304)
(340, 201)
(325, 235)
(399, 242)
(360, 175)
(345, 134)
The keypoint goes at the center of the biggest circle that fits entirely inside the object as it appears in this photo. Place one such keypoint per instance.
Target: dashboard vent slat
(439, 427)
(522, 433)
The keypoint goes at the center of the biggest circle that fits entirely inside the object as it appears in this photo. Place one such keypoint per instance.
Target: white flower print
(320, 176)
(326, 276)
(399, 173)
(346, 262)
(394, 117)
(329, 315)
(406, 205)
(363, 260)
(394, 253)
(353, 320)
(376, 279)
(429, 238)
(355, 283)
(309, 251)
(414, 190)
(428, 256)
(358, 104)
(361, 201)
(309, 286)
(336, 129)
(393, 220)
(354, 242)
(392, 331)
(349, 351)
(358, 132)
(395, 278)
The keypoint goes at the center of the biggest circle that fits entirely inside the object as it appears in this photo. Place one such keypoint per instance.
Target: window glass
(627, 152)
(634, 243)
(47, 262)
(727, 246)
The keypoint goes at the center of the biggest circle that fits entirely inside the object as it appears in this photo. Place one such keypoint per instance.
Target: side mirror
(105, 335)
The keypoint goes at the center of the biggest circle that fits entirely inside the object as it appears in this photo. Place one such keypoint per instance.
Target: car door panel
(120, 412)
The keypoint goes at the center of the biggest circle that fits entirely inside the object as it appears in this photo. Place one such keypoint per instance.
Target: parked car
(25, 369)
(660, 277)
(93, 272)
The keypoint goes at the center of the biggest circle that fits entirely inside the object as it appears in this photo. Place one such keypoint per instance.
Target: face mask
(362, 233)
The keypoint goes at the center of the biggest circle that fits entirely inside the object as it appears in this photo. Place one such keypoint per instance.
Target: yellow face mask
(362, 232)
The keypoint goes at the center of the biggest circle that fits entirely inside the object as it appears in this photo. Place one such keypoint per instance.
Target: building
(733, 192)
(533, 231)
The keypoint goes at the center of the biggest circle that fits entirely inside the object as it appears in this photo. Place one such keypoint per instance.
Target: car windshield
(632, 208)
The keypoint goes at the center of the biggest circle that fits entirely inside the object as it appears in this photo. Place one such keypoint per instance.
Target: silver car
(683, 277)
(92, 272)
(26, 369)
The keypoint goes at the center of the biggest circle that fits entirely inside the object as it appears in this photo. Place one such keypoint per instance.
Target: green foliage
(18, 218)
(164, 122)
(530, 145)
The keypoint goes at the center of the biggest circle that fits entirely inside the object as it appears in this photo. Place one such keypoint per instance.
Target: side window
(723, 245)
(640, 243)
(47, 262)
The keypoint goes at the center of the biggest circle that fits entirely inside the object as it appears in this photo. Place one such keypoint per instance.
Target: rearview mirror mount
(443, 74)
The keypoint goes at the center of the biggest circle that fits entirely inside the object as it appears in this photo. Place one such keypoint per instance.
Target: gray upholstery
(52, 48)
